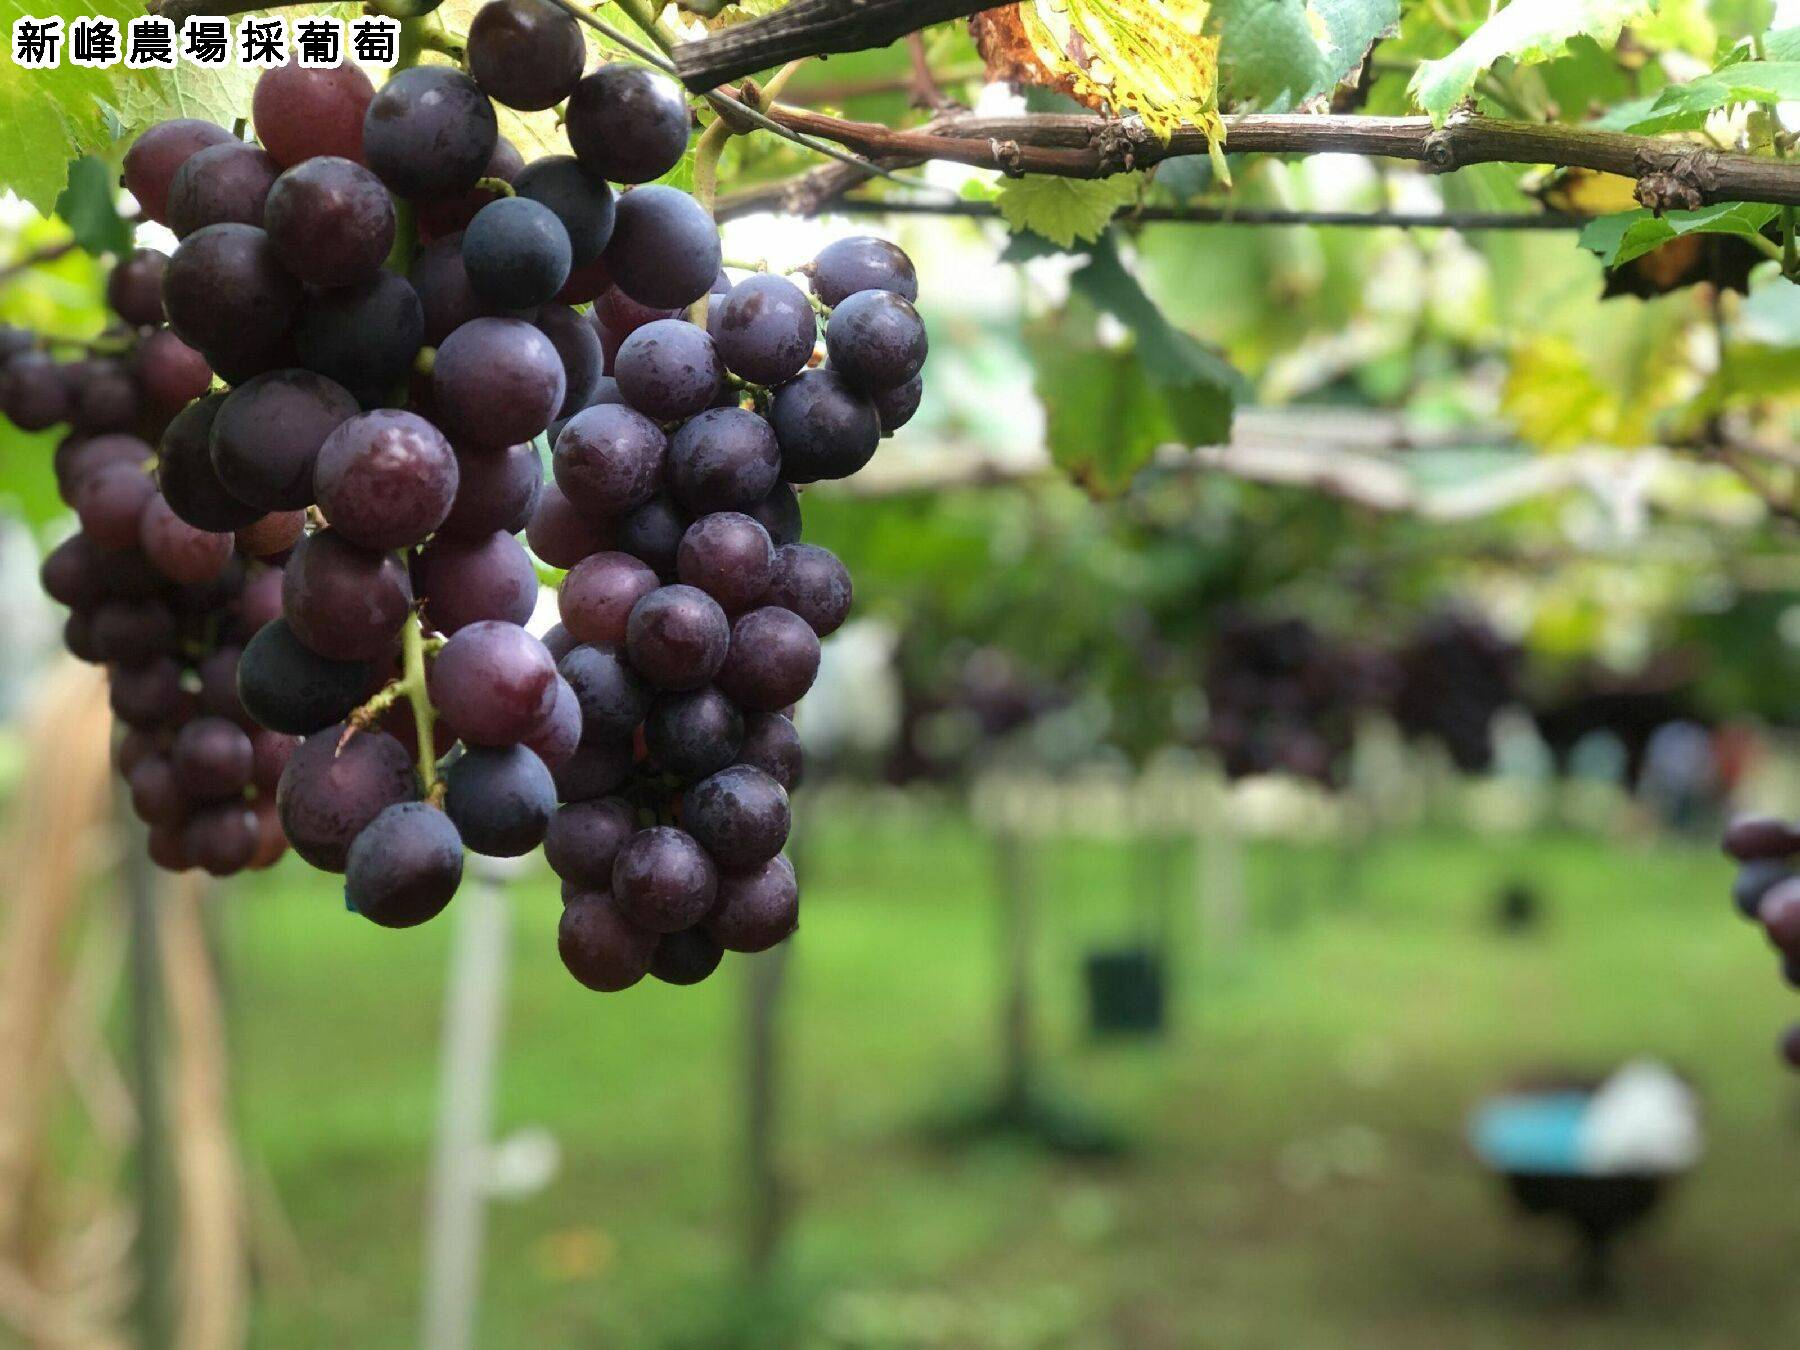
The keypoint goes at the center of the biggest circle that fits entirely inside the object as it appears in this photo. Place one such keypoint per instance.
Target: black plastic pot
(1127, 992)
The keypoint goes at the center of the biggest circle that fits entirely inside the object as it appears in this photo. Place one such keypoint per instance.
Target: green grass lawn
(1297, 1176)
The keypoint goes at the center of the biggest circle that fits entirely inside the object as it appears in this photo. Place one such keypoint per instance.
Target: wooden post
(154, 1243)
(474, 1003)
(766, 1201)
(1012, 882)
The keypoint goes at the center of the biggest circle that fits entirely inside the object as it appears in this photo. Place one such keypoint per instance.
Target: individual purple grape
(516, 252)
(334, 785)
(493, 683)
(365, 337)
(1756, 838)
(501, 798)
(862, 263)
(614, 699)
(685, 958)
(78, 638)
(156, 796)
(694, 734)
(331, 222)
(1753, 883)
(812, 582)
(1779, 914)
(895, 407)
(463, 581)
(221, 839)
(211, 759)
(527, 54)
(344, 602)
(176, 549)
(739, 815)
(32, 395)
(442, 284)
(725, 459)
(559, 641)
(757, 909)
(429, 132)
(439, 216)
(72, 573)
(579, 347)
(582, 201)
(157, 155)
(600, 765)
(665, 248)
(218, 672)
(111, 502)
(765, 329)
(663, 881)
(877, 341)
(773, 660)
(385, 479)
(772, 745)
(266, 436)
(561, 535)
(269, 753)
(598, 595)
(653, 532)
(225, 288)
(628, 124)
(302, 112)
(222, 184)
(134, 287)
(272, 536)
(617, 314)
(106, 400)
(130, 634)
(170, 374)
(585, 838)
(186, 475)
(586, 284)
(557, 735)
(147, 694)
(677, 637)
(826, 429)
(609, 460)
(727, 555)
(497, 490)
(669, 370)
(603, 950)
(497, 382)
(78, 455)
(404, 867)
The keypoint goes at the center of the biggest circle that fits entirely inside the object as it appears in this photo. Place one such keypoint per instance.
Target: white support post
(474, 1005)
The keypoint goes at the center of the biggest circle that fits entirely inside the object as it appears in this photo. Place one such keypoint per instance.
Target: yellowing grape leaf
(1065, 210)
(1133, 58)
(1554, 398)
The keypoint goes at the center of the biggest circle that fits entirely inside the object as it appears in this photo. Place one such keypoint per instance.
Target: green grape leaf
(1685, 107)
(1108, 407)
(49, 117)
(1526, 31)
(89, 206)
(1172, 357)
(1065, 210)
(1631, 234)
(1276, 54)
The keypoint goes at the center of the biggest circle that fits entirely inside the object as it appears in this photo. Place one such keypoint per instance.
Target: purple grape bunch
(1766, 891)
(407, 322)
